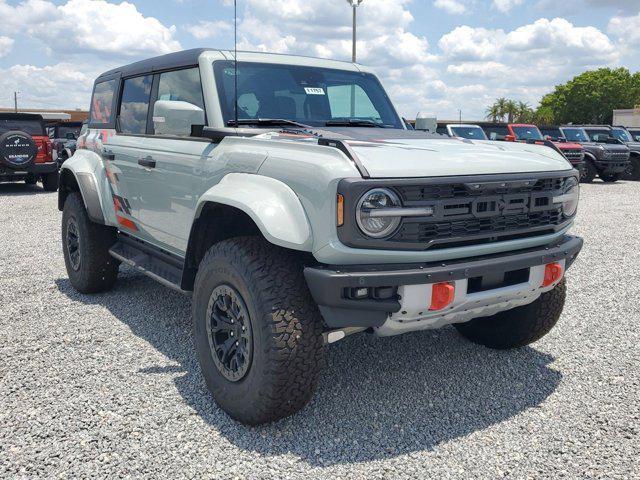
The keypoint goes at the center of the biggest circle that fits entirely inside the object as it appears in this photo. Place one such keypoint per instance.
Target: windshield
(635, 133)
(575, 134)
(28, 126)
(620, 134)
(527, 133)
(309, 95)
(554, 133)
(472, 133)
(63, 131)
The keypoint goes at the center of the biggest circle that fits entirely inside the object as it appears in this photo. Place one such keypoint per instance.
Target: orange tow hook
(442, 295)
(552, 273)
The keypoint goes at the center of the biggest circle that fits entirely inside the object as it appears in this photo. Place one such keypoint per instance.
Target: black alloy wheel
(229, 333)
(73, 244)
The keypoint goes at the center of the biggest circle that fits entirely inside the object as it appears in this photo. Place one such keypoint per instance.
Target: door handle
(147, 162)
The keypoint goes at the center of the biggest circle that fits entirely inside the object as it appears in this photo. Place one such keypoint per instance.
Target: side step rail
(154, 263)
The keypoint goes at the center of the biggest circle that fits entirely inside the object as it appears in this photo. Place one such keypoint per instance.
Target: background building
(54, 115)
(627, 118)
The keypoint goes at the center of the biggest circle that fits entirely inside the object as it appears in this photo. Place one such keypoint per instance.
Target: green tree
(591, 97)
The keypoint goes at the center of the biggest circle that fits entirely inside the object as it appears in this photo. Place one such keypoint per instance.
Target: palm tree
(493, 113)
(511, 110)
(525, 113)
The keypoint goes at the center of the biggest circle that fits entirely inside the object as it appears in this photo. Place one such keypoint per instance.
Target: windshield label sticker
(159, 119)
(314, 91)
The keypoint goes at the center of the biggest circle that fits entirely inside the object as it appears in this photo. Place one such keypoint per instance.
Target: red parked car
(26, 153)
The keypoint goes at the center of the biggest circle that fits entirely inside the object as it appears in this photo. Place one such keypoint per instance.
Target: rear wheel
(257, 331)
(86, 249)
(519, 326)
(50, 181)
(609, 177)
(590, 172)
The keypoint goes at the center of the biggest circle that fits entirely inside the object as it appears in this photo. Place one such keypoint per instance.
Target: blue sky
(437, 56)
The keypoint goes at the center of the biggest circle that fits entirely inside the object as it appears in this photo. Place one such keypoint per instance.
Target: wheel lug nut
(237, 343)
(232, 334)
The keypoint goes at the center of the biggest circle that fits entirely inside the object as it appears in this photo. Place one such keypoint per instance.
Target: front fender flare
(271, 204)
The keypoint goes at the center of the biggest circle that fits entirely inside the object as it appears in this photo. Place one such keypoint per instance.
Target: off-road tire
(287, 354)
(31, 180)
(50, 181)
(97, 270)
(610, 177)
(590, 171)
(634, 170)
(519, 326)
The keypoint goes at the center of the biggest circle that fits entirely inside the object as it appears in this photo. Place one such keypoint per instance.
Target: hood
(633, 146)
(391, 153)
(568, 145)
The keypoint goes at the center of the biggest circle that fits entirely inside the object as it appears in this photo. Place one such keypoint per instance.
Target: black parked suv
(606, 156)
(26, 152)
(632, 141)
(64, 136)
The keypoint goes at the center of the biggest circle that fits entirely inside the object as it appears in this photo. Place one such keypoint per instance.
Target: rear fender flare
(85, 173)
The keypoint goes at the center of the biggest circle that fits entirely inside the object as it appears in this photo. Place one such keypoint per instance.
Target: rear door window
(102, 102)
(134, 106)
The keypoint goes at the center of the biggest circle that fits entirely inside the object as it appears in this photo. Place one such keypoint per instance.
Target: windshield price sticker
(314, 91)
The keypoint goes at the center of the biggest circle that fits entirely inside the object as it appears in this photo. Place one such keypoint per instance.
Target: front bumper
(612, 166)
(329, 286)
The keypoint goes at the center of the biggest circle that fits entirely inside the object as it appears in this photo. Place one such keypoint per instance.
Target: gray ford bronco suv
(288, 197)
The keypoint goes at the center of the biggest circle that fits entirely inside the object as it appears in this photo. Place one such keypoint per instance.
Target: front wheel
(257, 331)
(590, 171)
(633, 173)
(519, 326)
(85, 245)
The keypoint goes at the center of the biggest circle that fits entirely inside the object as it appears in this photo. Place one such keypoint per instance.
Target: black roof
(186, 58)
(21, 116)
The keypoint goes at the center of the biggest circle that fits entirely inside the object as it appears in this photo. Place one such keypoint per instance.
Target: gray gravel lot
(108, 385)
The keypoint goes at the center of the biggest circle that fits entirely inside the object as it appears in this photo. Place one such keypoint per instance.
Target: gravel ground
(108, 385)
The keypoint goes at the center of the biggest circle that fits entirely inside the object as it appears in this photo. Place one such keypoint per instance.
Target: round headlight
(372, 213)
(571, 196)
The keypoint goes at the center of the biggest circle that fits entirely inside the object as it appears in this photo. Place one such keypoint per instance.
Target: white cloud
(468, 43)
(52, 86)
(204, 30)
(6, 44)
(89, 26)
(454, 7)
(559, 36)
(626, 29)
(505, 6)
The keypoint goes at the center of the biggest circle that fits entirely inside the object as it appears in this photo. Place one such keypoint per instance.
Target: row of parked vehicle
(608, 152)
(32, 150)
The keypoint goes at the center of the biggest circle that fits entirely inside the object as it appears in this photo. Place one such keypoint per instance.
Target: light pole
(354, 5)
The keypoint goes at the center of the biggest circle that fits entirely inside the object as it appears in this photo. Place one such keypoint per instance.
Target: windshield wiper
(267, 122)
(353, 122)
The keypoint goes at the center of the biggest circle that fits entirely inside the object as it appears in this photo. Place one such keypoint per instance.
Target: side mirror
(174, 117)
(510, 138)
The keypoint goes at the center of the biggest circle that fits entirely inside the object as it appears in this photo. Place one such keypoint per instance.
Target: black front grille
(472, 213)
(573, 154)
